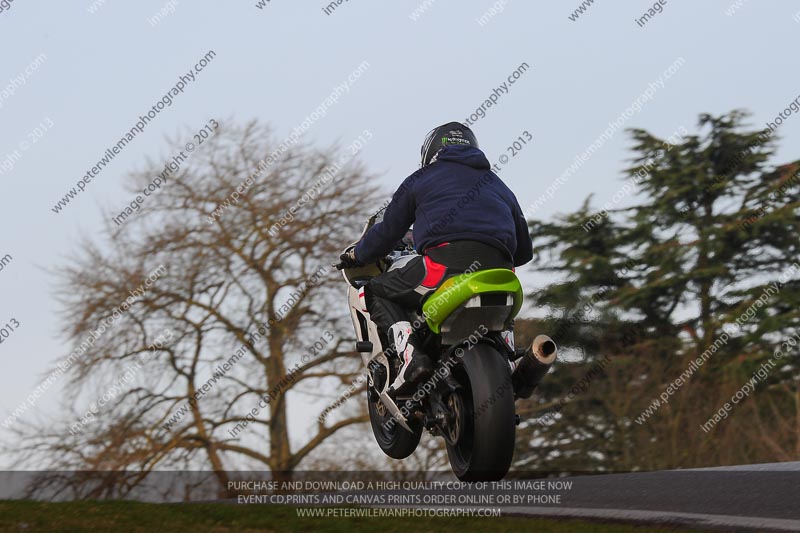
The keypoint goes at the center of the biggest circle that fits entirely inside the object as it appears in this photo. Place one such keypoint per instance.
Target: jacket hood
(465, 155)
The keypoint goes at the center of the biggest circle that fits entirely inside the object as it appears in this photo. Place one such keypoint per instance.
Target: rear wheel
(483, 444)
(393, 439)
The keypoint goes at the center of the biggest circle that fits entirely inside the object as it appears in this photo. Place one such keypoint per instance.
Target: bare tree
(248, 313)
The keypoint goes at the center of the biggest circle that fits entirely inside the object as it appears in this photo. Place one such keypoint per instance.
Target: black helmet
(447, 134)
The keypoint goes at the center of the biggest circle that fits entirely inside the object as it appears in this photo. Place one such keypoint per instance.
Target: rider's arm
(524, 252)
(397, 218)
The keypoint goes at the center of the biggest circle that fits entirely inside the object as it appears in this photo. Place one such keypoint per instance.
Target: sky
(90, 68)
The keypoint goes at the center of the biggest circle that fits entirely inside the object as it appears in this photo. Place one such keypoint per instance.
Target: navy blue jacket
(455, 198)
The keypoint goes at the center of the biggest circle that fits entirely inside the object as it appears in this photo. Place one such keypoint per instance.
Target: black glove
(348, 259)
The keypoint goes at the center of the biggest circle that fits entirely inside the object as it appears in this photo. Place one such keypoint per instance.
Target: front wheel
(484, 412)
(393, 439)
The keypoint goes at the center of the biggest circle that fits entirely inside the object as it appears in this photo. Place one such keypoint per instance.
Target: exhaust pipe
(529, 370)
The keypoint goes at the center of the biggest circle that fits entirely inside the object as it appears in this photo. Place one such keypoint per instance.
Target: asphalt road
(740, 498)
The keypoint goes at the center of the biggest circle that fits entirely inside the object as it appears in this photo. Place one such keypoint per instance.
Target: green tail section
(457, 290)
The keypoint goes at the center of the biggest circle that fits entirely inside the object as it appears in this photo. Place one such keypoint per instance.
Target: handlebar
(341, 265)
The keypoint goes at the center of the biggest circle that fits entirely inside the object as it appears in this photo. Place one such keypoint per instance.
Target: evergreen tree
(686, 293)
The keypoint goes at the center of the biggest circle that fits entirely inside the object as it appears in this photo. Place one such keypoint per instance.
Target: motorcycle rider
(462, 215)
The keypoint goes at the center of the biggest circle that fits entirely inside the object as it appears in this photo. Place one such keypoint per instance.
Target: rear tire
(393, 438)
(485, 447)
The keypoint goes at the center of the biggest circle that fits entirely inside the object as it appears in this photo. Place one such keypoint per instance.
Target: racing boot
(416, 365)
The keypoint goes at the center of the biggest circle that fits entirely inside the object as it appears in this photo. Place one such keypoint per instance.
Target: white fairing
(360, 315)
(358, 307)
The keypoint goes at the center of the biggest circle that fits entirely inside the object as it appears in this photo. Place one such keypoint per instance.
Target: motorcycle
(466, 327)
